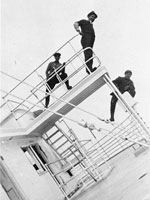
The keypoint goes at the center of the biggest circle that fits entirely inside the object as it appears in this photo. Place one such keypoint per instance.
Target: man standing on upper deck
(55, 73)
(85, 28)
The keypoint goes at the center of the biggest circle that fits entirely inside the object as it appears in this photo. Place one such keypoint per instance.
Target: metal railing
(84, 171)
(98, 153)
(37, 92)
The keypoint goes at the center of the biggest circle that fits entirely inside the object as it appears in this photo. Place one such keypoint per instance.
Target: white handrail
(59, 69)
(39, 66)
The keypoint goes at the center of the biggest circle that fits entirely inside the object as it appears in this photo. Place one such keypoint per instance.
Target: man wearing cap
(123, 84)
(85, 29)
(55, 73)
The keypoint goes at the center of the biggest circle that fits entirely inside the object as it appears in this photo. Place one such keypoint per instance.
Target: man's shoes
(87, 71)
(91, 70)
(112, 119)
(69, 87)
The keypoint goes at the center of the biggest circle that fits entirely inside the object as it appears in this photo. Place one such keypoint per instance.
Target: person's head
(57, 56)
(92, 16)
(128, 74)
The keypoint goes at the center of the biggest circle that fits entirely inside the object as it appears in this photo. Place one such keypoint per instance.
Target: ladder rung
(52, 135)
(62, 154)
(57, 140)
(61, 145)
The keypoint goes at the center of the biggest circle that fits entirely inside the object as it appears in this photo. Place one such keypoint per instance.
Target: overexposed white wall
(36, 187)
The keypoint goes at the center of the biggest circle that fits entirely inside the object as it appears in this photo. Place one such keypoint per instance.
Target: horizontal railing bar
(43, 83)
(38, 67)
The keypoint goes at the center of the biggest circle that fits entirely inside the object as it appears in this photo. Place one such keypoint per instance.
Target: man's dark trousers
(88, 41)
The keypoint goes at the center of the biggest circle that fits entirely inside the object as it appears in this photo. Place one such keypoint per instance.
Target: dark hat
(92, 13)
(128, 72)
(57, 54)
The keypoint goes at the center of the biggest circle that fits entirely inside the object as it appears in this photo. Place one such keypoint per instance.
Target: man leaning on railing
(124, 84)
(55, 75)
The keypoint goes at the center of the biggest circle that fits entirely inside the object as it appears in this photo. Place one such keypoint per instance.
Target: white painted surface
(3, 195)
(129, 180)
(10, 120)
(36, 187)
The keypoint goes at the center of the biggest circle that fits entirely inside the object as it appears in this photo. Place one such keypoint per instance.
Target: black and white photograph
(75, 100)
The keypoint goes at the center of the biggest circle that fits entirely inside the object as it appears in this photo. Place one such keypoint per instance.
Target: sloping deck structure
(45, 120)
(28, 118)
(129, 180)
(27, 113)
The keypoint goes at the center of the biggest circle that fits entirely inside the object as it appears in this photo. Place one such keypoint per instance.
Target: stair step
(61, 145)
(57, 139)
(52, 135)
(68, 155)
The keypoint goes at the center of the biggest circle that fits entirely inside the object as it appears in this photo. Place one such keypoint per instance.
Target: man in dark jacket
(54, 75)
(85, 28)
(123, 84)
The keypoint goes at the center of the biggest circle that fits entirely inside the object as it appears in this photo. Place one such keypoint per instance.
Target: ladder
(73, 159)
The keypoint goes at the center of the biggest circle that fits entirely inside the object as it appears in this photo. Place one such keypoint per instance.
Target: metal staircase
(74, 158)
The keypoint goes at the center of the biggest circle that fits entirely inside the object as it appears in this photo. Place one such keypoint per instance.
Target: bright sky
(32, 30)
